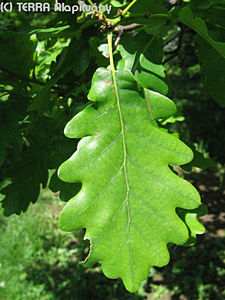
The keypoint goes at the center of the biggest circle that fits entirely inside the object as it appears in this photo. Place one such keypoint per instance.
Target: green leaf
(45, 33)
(212, 70)
(65, 63)
(190, 217)
(81, 58)
(157, 26)
(11, 59)
(10, 133)
(143, 56)
(26, 176)
(118, 3)
(129, 195)
(199, 161)
(46, 56)
(41, 101)
(198, 25)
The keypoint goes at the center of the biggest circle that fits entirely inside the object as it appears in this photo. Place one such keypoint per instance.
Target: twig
(121, 29)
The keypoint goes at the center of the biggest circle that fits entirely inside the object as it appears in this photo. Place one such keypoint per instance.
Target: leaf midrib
(124, 151)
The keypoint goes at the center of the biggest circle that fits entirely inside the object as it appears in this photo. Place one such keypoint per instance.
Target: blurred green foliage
(38, 261)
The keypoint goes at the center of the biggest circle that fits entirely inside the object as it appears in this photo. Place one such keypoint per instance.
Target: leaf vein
(101, 153)
(153, 142)
(102, 191)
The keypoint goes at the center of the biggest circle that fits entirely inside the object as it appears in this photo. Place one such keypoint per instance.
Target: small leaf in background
(213, 71)
(45, 33)
(198, 25)
(199, 161)
(190, 217)
(81, 58)
(64, 63)
(41, 101)
(14, 61)
(145, 61)
(26, 175)
(119, 3)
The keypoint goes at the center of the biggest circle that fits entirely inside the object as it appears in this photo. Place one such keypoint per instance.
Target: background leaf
(198, 25)
(143, 56)
(212, 67)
